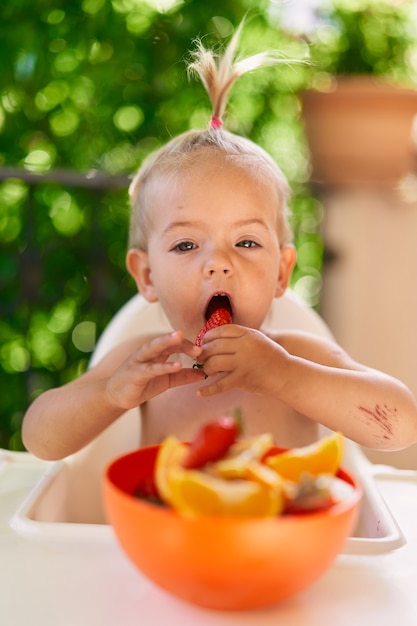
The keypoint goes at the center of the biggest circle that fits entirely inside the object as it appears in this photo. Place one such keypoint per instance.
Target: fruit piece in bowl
(230, 543)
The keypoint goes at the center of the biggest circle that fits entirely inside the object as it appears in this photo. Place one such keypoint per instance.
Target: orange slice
(263, 474)
(170, 456)
(196, 492)
(321, 457)
(240, 455)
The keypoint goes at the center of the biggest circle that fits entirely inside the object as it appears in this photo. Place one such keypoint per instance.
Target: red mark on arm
(383, 415)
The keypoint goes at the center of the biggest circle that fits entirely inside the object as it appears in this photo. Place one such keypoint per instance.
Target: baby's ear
(286, 266)
(137, 263)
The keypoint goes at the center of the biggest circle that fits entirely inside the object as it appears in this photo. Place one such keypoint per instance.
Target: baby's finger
(220, 385)
(158, 347)
(190, 349)
(218, 363)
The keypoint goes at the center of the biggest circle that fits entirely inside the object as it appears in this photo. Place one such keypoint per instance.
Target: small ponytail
(219, 73)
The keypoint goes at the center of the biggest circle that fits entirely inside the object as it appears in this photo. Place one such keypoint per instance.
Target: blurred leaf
(97, 85)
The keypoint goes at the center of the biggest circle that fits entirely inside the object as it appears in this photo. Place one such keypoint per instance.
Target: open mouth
(219, 301)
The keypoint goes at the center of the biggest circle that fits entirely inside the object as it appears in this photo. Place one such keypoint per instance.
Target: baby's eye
(247, 243)
(184, 246)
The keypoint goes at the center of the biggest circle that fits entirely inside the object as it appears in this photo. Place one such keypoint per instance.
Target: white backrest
(137, 317)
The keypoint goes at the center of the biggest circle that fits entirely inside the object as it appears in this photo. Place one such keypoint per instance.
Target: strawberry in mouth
(218, 312)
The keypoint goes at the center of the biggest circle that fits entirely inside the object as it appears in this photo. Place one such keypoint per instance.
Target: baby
(210, 230)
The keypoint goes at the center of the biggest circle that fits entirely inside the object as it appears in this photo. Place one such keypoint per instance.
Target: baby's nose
(218, 270)
(218, 264)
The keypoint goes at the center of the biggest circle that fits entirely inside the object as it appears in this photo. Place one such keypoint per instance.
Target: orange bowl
(225, 563)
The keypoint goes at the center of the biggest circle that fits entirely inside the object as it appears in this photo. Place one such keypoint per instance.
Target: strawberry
(218, 318)
(212, 442)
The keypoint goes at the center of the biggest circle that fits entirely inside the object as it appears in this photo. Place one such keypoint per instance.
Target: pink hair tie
(215, 122)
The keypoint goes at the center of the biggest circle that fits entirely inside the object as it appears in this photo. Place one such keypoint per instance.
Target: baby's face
(214, 231)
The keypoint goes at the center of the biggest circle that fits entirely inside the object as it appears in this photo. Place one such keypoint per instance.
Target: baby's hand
(147, 372)
(245, 359)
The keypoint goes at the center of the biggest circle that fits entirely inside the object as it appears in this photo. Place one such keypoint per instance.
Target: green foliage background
(92, 86)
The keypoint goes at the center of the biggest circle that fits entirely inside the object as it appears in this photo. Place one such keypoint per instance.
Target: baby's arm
(63, 420)
(316, 378)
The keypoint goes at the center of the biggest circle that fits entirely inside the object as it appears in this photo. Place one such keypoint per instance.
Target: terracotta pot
(360, 132)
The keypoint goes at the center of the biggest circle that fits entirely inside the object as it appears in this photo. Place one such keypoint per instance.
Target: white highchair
(138, 316)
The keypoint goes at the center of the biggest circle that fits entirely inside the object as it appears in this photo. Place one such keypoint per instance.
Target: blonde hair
(218, 74)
